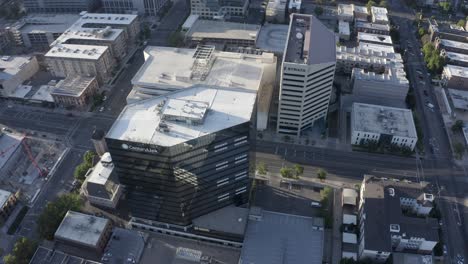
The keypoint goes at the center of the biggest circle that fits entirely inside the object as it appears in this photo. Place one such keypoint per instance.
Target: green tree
(383, 3)
(445, 7)
(80, 171)
(53, 214)
(421, 31)
(322, 174)
(438, 249)
(146, 32)
(370, 4)
(318, 10)
(459, 150)
(88, 157)
(175, 39)
(457, 126)
(22, 252)
(461, 23)
(287, 172)
(262, 168)
(298, 169)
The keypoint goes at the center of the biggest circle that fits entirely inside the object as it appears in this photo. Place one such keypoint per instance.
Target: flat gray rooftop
(407, 258)
(12, 65)
(283, 239)
(166, 249)
(214, 29)
(457, 56)
(272, 38)
(201, 111)
(459, 98)
(374, 38)
(4, 196)
(362, 24)
(383, 120)
(81, 228)
(39, 23)
(230, 219)
(124, 244)
(49, 256)
(309, 41)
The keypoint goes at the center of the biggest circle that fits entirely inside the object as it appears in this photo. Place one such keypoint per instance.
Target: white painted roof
(189, 22)
(101, 171)
(44, 93)
(454, 44)
(457, 56)
(349, 219)
(81, 228)
(452, 70)
(166, 66)
(345, 10)
(377, 47)
(9, 143)
(349, 238)
(343, 28)
(142, 121)
(383, 120)
(214, 29)
(379, 13)
(106, 19)
(84, 52)
(40, 23)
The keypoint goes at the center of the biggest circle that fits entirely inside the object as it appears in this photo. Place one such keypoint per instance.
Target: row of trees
(82, 169)
(434, 61)
(22, 252)
(292, 173)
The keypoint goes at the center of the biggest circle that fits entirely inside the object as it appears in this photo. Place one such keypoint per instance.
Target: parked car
(315, 204)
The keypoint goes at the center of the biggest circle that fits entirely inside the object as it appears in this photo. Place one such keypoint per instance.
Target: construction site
(25, 162)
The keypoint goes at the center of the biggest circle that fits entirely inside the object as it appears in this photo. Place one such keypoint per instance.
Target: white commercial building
(349, 12)
(388, 125)
(142, 7)
(169, 69)
(14, 70)
(376, 47)
(85, 60)
(387, 221)
(276, 11)
(379, 15)
(219, 9)
(307, 74)
(101, 186)
(374, 38)
(343, 30)
(361, 13)
(38, 31)
(373, 28)
(373, 59)
(391, 85)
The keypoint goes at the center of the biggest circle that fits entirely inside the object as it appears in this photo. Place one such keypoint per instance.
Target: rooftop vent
(391, 192)
(428, 197)
(394, 228)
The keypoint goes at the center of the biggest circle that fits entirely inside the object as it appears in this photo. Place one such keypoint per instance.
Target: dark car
(425, 93)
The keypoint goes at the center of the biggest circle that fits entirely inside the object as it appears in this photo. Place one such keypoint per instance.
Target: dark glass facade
(178, 183)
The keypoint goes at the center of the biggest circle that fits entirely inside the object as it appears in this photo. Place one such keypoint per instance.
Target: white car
(101, 109)
(316, 204)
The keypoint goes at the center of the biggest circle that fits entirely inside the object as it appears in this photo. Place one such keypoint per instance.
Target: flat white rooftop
(173, 67)
(189, 22)
(295, 4)
(362, 24)
(272, 38)
(4, 196)
(177, 117)
(81, 228)
(383, 120)
(393, 75)
(343, 28)
(75, 51)
(360, 9)
(11, 65)
(376, 47)
(454, 44)
(101, 171)
(44, 94)
(459, 98)
(379, 13)
(457, 71)
(452, 56)
(21, 91)
(214, 29)
(106, 19)
(375, 38)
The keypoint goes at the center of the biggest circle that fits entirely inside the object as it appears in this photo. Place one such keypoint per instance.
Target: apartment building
(75, 91)
(387, 125)
(379, 15)
(446, 31)
(51, 6)
(388, 219)
(350, 12)
(371, 60)
(374, 39)
(14, 70)
(457, 59)
(455, 77)
(101, 186)
(39, 31)
(372, 28)
(307, 75)
(84, 60)
(184, 154)
(451, 46)
(141, 7)
(219, 9)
